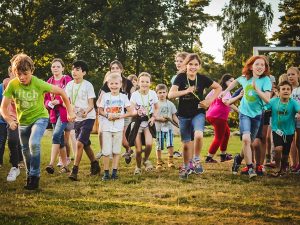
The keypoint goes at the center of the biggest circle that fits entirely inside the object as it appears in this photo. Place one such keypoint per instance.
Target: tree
(244, 25)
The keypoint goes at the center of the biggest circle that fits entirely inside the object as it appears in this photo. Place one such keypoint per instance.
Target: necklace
(196, 84)
(74, 96)
(145, 106)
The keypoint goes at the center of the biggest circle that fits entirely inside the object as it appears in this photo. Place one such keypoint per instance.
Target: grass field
(215, 197)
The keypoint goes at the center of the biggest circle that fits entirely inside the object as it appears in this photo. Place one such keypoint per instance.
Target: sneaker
(245, 170)
(105, 177)
(99, 155)
(148, 165)
(236, 164)
(95, 168)
(294, 169)
(251, 173)
(225, 157)
(64, 170)
(177, 154)
(114, 176)
(159, 166)
(183, 174)
(50, 169)
(191, 169)
(59, 164)
(13, 174)
(137, 171)
(127, 157)
(260, 170)
(32, 183)
(198, 167)
(73, 174)
(210, 160)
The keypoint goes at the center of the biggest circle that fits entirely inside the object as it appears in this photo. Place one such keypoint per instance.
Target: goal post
(258, 49)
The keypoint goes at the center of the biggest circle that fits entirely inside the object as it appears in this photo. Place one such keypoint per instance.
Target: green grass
(215, 197)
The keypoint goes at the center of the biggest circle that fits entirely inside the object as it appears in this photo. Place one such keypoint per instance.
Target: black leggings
(14, 146)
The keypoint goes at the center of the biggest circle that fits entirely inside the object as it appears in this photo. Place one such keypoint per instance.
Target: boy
(164, 127)
(284, 110)
(81, 93)
(112, 107)
(27, 91)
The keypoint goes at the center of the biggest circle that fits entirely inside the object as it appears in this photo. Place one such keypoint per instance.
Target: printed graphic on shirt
(250, 93)
(26, 98)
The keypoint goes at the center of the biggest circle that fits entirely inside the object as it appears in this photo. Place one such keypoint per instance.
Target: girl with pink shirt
(58, 115)
(217, 116)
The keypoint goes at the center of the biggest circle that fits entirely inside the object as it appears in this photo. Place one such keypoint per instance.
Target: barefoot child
(112, 108)
(164, 127)
(28, 91)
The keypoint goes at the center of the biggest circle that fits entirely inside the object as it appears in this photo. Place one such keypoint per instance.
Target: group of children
(131, 114)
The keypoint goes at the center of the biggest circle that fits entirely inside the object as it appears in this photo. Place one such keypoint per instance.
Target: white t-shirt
(79, 95)
(166, 109)
(144, 104)
(113, 105)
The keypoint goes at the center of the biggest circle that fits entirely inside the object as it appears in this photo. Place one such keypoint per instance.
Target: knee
(246, 140)
(198, 135)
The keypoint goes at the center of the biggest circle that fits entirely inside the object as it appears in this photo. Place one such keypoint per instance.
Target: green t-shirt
(283, 115)
(29, 99)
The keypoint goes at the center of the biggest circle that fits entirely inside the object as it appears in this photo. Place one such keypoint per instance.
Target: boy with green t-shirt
(284, 110)
(27, 91)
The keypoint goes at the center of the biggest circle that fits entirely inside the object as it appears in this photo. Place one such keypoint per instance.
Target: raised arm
(174, 93)
(229, 88)
(217, 90)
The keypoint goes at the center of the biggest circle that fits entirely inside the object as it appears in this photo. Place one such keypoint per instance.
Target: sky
(211, 38)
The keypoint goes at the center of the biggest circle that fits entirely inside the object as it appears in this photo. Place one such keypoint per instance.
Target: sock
(191, 164)
(186, 166)
(223, 152)
(114, 171)
(106, 172)
(250, 166)
(75, 169)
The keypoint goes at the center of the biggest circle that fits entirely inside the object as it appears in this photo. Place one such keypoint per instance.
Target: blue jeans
(249, 125)
(188, 126)
(30, 137)
(58, 132)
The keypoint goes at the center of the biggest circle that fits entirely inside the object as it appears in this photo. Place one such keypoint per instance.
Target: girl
(257, 87)
(133, 78)
(293, 78)
(189, 87)
(58, 116)
(217, 115)
(145, 102)
(179, 58)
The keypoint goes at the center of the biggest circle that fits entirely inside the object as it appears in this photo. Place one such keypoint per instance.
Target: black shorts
(83, 131)
(285, 141)
(267, 117)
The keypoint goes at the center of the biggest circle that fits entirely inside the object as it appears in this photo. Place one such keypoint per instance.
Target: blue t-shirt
(283, 115)
(1, 96)
(251, 104)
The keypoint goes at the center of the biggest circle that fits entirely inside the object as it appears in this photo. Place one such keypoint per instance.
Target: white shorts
(111, 142)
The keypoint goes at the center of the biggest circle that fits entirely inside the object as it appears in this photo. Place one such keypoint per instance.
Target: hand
(55, 102)
(84, 113)
(297, 116)
(71, 116)
(205, 103)
(253, 83)
(13, 125)
(164, 119)
(191, 89)
(151, 121)
(241, 94)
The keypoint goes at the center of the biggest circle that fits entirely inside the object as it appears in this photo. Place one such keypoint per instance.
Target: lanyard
(195, 85)
(74, 97)
(144, 103)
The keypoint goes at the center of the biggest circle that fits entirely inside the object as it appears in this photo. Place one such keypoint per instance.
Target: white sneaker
(137, 171)
(13, 173)
(148, 165)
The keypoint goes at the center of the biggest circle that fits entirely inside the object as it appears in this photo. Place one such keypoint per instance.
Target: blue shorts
(83, 131)
(162, 137)
(249, 125)
(188, 126)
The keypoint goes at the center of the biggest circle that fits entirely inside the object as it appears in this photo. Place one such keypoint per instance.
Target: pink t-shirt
(218, 109)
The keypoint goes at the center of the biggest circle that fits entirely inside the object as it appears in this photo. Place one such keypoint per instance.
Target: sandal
(50, 169)
(64, 170)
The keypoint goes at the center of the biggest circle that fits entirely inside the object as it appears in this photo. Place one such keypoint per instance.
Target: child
(217, 115)
(283, 110)
(293, 76)
(112, 108)
(145, 102)
(81, 93)
(133, 78)
(27, 91)
(179, 59)
(13, 139)
(257, 87)
(164, 128)
(189, 87)
(58, 116)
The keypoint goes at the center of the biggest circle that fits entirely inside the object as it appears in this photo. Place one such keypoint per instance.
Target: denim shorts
(249, 125)
(188, 126)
